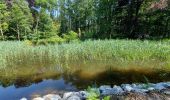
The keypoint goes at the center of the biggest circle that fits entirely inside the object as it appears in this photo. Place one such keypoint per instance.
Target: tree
(77, 15)
(45, 25)
(4, 15)
(21, 20)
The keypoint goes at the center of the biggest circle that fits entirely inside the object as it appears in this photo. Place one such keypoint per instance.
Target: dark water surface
(38, 80)
(35, 89)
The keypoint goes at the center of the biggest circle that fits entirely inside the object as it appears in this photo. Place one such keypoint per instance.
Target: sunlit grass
(13, 54)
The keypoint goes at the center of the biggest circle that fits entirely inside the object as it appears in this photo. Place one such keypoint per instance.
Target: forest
(65, 20)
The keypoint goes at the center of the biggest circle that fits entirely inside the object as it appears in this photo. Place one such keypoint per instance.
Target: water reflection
(42, 88)
(32, 81)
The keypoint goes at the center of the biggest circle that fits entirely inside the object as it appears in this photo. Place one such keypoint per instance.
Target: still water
(37, 80)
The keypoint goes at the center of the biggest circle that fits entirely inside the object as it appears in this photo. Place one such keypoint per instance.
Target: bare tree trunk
(2, 34)
(18, 32)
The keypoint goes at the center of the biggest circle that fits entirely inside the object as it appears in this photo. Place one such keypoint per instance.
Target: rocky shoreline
(150, 91)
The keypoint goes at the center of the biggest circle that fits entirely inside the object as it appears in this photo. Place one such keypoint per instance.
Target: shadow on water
(30, 81)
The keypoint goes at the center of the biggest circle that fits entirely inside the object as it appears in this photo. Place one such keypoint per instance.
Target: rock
(104, 88)
(138, 86)
(140, 90)
(84, 94)
(74, 97)
(151, 89)
(159, 86)
(166, 85)
(117, 90)
(127, 87)
(23, 99)
(38, 98)
(52, 97)
(107, 90)
(71, 95)
(166, 92)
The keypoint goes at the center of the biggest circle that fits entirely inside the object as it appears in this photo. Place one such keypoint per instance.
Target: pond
(36, 80)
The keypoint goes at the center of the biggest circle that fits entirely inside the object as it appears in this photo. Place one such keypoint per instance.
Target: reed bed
(13, 54)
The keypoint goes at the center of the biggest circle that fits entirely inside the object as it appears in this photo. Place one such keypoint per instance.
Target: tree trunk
(2, 34)
(18, 33)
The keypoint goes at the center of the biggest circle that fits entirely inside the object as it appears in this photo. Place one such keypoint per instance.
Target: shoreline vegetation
(125, 52)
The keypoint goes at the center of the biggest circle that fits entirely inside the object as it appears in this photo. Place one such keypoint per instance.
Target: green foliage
(41, 42)
(21, 20)
(4, 23)
(51, 40)
(70, 36)
(45, 26)
(93, 94)
(55, 39)
(48, 4)
(107, 98)
(102, 19)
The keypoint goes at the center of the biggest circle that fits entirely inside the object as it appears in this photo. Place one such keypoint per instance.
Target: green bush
(93, 93)
(28, 42)
(51, 40)
(41, 42)
(55, 39)
(70, 36)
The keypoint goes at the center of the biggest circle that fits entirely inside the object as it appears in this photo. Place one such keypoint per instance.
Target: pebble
(151, 89)
(38, 98)
(127, 87)
(140, 90)
(159, 87)
(74, 97)
(69, 95)
(52, 97)
(167, 92)
(23, 99)
(84, 94)
(107, 90)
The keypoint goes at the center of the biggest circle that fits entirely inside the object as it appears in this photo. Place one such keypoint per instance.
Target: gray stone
(106, 90)
(23, 99)
(151, 89)
(165, 84)
(167, 92)
(71, 94)
(51, 97)
(140, 90)
(74, 97)
(104, 87)
(127, 87)
(138, 86)
(38, 98)
(84, 94)
(168, 84)
(118, 90)
(159, 86)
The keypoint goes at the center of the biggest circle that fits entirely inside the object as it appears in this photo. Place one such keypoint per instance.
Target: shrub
(55, 39)
(51, 40)
(70, 36)
(41, 42)
(28, 42)
(93, 93)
